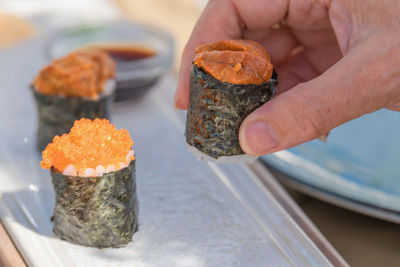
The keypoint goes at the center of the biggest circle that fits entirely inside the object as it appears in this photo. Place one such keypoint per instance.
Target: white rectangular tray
(191, 213)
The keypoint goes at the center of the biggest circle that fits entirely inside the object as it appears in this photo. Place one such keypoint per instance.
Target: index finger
(224, 19)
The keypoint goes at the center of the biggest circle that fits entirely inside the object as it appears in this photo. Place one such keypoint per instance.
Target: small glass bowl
(133, 77)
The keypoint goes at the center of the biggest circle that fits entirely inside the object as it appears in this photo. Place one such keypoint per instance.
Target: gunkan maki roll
(229, 79)
(80, 85)
(93, 174)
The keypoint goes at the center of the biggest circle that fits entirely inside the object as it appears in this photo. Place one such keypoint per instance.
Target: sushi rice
(100, 169)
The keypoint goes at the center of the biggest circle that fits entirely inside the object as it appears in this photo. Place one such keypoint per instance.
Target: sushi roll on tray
(93, 174)
(80, 85)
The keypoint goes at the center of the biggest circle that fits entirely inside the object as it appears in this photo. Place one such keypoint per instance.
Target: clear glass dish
(133, 77)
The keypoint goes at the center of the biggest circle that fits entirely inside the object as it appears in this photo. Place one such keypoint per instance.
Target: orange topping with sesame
(235, 61)
(79, 74)
(89, 144)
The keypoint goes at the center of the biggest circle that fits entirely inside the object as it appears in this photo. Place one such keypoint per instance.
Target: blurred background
(177, 17)
(362, 240)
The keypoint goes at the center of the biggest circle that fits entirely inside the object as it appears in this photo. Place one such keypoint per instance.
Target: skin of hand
(336, 60)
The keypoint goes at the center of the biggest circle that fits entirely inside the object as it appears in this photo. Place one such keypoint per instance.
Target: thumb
(352, 87)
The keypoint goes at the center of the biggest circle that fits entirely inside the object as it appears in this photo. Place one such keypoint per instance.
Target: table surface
(9, 256)
(361, 240)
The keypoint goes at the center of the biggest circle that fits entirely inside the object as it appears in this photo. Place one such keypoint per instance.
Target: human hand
(336, 60)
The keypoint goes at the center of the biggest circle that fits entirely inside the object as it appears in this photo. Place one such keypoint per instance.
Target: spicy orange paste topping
(90, 143)
(79, 74)
(235, 61)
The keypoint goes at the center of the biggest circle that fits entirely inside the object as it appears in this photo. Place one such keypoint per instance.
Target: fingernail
(259, 137)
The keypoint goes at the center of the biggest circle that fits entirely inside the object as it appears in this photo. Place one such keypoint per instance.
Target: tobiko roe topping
(89, 145)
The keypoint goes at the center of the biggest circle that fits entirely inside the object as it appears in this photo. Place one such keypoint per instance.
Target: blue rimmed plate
(358, 168)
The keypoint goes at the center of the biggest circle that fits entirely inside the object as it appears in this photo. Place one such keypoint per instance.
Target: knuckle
(309, 117)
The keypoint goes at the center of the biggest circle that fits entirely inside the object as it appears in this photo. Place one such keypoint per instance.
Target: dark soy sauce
(126, 54)
(123, 53)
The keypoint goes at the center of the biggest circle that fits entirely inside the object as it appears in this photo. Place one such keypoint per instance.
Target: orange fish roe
(89, 144)
(79, 74)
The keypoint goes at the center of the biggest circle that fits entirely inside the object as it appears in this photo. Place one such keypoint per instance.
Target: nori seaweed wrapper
(217, 109)
(57, 114)
(96, 211)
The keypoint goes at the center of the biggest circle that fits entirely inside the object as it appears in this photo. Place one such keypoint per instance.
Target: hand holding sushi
(336, 61)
